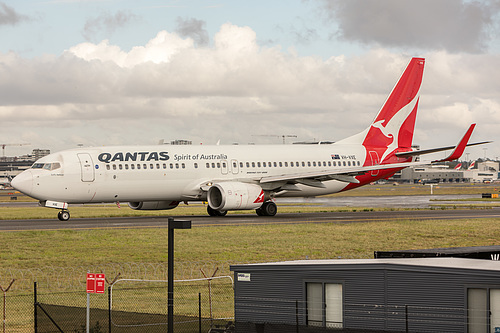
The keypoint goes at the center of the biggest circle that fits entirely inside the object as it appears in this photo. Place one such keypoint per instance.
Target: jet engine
(235, 195)
(153, 205)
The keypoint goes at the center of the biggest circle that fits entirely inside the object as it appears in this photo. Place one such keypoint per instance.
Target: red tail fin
(393, 127)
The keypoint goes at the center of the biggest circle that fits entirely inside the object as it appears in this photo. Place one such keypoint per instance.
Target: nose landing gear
(63, 215)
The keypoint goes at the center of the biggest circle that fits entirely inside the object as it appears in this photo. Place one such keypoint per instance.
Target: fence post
(35, 302)
(406, 317)
(297, 316)
(199, 312)
(109, 309)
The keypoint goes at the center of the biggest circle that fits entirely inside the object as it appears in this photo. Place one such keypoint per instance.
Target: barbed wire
(70, 278)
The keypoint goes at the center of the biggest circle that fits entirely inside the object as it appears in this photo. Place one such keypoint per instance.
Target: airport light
(172, 224)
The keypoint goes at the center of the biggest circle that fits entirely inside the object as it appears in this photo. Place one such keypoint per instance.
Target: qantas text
(133, 157)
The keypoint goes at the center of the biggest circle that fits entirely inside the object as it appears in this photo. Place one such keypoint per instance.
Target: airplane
(235, 177)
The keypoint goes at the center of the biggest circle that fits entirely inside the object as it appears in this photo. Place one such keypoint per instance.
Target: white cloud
(98, 94)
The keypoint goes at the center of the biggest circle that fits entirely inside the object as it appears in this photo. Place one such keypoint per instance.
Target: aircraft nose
(23, 182)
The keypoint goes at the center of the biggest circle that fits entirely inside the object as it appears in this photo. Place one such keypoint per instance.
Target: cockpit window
(46, 166)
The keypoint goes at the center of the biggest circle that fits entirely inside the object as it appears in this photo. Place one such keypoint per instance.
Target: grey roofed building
(421, 294)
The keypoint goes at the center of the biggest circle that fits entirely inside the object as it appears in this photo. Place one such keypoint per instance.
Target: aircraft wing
(347, 175)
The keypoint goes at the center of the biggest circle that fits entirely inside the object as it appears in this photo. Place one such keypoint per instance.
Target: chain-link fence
(258, 315)
(133, 305)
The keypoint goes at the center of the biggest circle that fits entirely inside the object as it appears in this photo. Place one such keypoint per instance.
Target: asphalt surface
(246, 219)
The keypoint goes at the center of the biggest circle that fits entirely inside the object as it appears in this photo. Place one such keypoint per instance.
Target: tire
(213, 212)
(63, 215)
(269, 208)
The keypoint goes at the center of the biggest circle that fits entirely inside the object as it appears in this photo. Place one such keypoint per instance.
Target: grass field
(58, 258)
(70, 248)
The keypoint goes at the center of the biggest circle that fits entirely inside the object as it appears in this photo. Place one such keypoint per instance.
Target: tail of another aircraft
(394, 124)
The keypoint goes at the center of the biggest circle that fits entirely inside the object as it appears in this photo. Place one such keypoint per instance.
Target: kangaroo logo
(393, 127)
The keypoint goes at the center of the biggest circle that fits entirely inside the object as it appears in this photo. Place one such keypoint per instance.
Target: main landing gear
(213, 212)
(63, 215)
(268, 208)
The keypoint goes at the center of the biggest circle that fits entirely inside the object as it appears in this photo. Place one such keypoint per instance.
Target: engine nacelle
(234, 195)
(153, 205)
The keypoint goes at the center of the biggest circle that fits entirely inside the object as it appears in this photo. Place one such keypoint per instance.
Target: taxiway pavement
(247, 219)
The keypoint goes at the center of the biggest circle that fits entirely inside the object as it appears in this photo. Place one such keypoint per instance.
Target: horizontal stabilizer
(457, 150)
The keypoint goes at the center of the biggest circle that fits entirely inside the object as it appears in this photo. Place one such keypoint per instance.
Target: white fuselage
(177, 173)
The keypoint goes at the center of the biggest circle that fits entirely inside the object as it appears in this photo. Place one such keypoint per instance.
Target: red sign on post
(100, 284)
(96, 283)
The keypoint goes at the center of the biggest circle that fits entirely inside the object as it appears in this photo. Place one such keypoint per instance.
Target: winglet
(459, 149)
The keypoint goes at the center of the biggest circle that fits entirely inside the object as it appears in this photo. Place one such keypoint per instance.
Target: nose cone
(23, 182)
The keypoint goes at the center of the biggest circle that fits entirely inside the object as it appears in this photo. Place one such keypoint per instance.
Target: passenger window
(253, 164)
(114, 166)
(281, 164)
(151, 166)
(343, 162)
(177, 165)
(264, 164)
(275, 165)
(157, 166)
(218, 165)
(164, 165)
(303, 164)
(314, 163)
(120, 166)
(144, 166)
(258, 164)
(234, 165)
(241, 164)
(213, 165)
(309, 164)
(171, 166)
(196, 165)
(132, 166)
(291, 164)
(248, 165)
(208, 165)
(138, 166)
(126, 166)
(286, 164)
(183, 166)
(108, 167)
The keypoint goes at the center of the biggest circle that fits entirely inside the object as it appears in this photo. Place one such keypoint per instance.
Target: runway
(246, 219)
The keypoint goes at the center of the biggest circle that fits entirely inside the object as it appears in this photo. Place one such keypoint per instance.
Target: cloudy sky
(108, 72)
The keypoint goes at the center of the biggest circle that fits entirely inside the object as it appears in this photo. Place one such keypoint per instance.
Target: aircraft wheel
(213, 212)
(63, 215)
(269, 208)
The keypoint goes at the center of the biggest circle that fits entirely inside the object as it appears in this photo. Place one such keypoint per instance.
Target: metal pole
(170, 309)
(88, 313)
(199, 312)
(109, 309)
(406, 317)
(297, 316)
(4, 312)
(35, 302)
